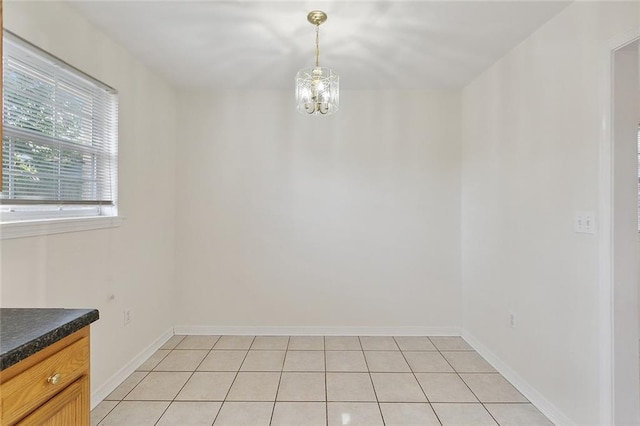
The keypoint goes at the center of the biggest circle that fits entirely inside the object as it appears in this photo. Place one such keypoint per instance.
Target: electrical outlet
(585, 222)
(127, 316)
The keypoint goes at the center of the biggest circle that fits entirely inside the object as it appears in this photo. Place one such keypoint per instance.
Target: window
(59, 144)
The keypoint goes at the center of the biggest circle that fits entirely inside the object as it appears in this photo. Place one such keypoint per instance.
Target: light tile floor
(315, 380)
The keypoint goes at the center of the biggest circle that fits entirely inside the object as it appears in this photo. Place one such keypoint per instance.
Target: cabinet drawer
(68, 408)
(29, 389)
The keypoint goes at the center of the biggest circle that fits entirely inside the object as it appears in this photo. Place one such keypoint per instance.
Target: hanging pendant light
(317, 88)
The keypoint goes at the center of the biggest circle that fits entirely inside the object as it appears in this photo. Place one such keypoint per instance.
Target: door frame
(606, 243)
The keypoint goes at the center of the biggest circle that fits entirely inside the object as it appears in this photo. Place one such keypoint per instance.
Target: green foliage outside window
(32, 168)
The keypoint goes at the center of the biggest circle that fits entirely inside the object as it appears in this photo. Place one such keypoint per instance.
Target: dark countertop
(25, 331)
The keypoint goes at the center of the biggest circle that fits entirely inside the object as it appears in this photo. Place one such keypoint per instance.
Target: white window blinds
(59, 135)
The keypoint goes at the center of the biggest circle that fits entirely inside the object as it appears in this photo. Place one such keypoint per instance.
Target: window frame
(49, 217)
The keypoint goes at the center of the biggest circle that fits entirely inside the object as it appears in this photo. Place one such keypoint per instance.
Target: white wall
(135, 262)
(343, 221)
(530, 160)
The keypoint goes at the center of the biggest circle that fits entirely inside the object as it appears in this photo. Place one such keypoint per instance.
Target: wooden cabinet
(50, 387)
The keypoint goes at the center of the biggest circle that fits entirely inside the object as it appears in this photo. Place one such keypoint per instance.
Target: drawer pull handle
(54, 379)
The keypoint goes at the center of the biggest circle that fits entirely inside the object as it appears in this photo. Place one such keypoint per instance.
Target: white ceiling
(371, 45)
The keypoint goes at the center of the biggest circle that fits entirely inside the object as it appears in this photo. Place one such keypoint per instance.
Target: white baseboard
(541, 403)
(114, 381)
(316, 330)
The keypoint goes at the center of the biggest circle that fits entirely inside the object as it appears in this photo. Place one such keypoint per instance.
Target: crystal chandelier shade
(317, 91)
(317, 88)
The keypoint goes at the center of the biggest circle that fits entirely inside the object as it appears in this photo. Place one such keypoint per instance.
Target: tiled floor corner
(315, 380)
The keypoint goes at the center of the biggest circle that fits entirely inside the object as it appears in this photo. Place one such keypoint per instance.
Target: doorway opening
(619, 237)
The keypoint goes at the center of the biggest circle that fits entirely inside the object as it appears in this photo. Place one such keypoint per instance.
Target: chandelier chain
(317, 44)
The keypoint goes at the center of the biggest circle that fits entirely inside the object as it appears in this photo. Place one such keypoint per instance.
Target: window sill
(34, 228)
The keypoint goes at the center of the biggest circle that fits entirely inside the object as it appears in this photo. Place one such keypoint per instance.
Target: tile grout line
(326, 391)
(146, 374)
(234, 378)
(275, 398)
(371, 380)
(187, 381)
(465, 383)
(315, 400)
(109, 412)
(416, 378)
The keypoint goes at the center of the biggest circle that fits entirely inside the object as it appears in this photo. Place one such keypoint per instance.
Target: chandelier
(317, 88)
